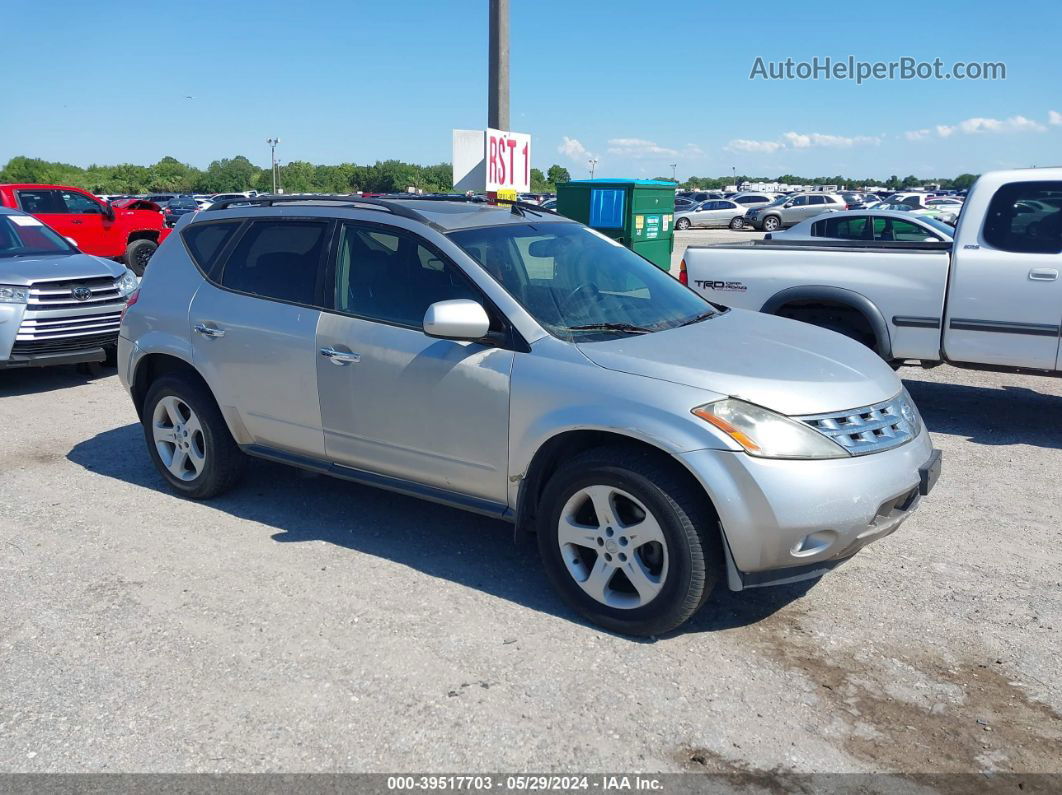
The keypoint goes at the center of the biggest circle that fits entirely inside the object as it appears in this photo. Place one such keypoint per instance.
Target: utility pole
(498, 66)
(673, 167)
(273, 159)
(593, 164)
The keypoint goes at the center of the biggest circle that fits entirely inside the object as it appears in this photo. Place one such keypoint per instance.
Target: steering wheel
(570, 297)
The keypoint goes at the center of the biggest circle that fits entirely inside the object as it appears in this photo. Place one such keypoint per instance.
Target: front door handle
(340, 357)
(1043, 274)
(208, 331)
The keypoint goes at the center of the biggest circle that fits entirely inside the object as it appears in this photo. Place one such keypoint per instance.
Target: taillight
(683, 276)
(133, 298)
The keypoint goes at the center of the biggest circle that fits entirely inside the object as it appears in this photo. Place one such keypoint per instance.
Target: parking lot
(301, 623)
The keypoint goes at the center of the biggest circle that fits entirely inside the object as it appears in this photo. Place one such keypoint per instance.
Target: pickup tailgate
(905, 283)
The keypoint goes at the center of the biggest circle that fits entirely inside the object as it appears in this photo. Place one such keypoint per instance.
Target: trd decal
(708, 284)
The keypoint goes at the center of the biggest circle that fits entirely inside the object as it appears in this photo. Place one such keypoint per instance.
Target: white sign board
(492, 160)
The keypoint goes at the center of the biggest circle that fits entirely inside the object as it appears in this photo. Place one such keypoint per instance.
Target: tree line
(235, 174)
(961, 182)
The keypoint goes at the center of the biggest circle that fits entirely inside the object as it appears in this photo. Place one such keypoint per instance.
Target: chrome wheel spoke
(644, 583)
(178, 462)
(597, 583)
(601, 497)
(644, 532)
(569, 532)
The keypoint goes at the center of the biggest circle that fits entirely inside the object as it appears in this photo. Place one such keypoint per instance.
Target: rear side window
(278, 259)
(1026, 217)
(818, 200)
(37, 202)
(852, 228)
(205, 242)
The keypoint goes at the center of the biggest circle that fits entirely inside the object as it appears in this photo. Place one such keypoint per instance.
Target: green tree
(964, 181)
(557, 174)
(230, 175)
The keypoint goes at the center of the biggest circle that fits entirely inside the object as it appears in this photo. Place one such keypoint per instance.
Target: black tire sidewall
(680, 552)
(736, 224)
(683, 224)
(208, 416)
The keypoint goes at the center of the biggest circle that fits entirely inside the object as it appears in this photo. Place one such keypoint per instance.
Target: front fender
(838, 295)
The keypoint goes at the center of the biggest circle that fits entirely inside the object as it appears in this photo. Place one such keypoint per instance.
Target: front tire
(633, 547)
(137, 254)
(737, 223)
(772, 223)
(188, 440)
(682, 223)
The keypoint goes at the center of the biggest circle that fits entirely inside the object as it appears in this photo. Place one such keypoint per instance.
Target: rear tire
(657, 525)
(188, 440)
(737, 224)
(137, 254)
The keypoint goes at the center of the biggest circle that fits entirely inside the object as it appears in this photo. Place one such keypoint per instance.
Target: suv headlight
(127, 283)
(13, 294)
(910, 413)
(767, 434)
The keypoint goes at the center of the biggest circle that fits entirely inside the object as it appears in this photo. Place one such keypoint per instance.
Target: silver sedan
(714, 213)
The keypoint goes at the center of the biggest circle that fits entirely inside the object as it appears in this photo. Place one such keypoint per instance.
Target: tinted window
(853, 228)
(22, 235)
(1026, 217)
(725, 205)
(41, 201)
(277, 259)
(894, 229)
(205, 241)
(800, 201)
(818, 200)
(79, 203)
(751, 199)
(391, 276)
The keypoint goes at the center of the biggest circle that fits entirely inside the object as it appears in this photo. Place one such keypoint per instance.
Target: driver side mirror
(108, 211)
(788, 205)
(456, 319)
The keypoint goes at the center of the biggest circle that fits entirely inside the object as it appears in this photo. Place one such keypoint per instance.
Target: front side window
(41, 202)
(800, 201)
(392, 277)
(79, 203)
(579, 285)
(1026, 217)
(851, 228)
(278, 259)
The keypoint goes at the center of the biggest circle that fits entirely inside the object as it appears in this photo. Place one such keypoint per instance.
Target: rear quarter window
(205, 243)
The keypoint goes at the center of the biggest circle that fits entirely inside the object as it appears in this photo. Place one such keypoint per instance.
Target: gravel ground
(705, 237)
(307, 624)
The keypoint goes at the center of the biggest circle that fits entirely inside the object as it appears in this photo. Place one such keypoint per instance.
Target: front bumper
(52, 359)
(785, 521)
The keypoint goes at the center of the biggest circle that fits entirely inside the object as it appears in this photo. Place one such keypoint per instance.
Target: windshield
(24, 235)
(580, 285)
(779, 200)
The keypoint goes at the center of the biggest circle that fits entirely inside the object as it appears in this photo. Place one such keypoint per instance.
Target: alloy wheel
(613, 547)
(179, 438)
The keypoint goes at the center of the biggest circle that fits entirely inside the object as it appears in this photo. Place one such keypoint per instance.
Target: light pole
(273, 159)
(734, 169)
(673, 167)
(593, 164)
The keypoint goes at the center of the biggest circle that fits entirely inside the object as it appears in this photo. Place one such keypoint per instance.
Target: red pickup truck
(122, 233)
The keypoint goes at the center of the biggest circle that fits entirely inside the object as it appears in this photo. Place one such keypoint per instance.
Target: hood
(23, 270)
(790, 367)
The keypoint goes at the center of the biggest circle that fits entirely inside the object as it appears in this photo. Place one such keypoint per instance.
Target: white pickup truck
(993, 298)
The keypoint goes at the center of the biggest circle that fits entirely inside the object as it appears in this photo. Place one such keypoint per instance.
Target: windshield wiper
(697, 319)
(628, 328)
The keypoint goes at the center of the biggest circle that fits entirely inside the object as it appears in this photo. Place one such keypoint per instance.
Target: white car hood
(789, 367)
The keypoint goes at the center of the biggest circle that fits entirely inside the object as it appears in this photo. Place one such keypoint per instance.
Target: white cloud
(979, 125)
(638, 147)
(745, 145)
(572, 148)
(1054, 118)
(808, 140)
(917, 135)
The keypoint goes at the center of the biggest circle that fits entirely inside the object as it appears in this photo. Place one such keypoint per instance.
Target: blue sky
(639, 85)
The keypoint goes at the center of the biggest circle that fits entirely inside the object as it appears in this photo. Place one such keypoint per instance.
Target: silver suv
(517, 364)
(57, 305)
(785, 211)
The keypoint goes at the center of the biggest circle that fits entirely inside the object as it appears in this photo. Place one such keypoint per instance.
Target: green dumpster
(639, 213)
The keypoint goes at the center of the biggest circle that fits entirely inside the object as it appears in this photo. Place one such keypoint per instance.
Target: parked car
(853, 200)
(992, 298)
(716, 213)
(129, 233)
(57, 305)
(785, 211)
(682, 203)
(175, 208)
(750, 200)
(868, 225)
(518, 364)
(700, 195)
(549, 204)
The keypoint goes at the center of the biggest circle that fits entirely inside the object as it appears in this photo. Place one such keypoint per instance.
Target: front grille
(870, 429)
(62, 345)
(42, 326)
(59, 293)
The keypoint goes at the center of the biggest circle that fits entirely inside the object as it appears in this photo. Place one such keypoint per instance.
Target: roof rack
(356, 202)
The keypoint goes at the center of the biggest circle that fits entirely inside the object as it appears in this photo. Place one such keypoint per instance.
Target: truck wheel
(633, 547)
(188, 440)
(137, 254)
(771, 223)
(682, 223)
(737, 223)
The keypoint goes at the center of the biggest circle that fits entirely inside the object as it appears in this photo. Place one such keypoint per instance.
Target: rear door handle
(340, 357)
(1043, 274)
(208, 331)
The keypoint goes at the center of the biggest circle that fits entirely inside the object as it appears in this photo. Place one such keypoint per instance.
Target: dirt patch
(909, 711)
